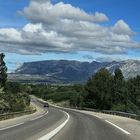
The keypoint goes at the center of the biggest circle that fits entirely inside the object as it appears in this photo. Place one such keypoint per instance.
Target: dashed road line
(98, 117)
(126, 132)
(11, 126)
(8, 127)
(39, 116)
(46, 113)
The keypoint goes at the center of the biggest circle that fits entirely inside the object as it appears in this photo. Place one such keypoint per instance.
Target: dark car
(46, 105)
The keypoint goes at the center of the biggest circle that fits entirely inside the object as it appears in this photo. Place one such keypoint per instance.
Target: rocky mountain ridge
(65, 71)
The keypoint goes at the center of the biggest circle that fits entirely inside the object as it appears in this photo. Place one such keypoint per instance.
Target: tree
(118, 84)
(13, 87)
(3, 70)
(118, 75)
(99, 90)
(134, 90)
(4, 106)
(119, 92)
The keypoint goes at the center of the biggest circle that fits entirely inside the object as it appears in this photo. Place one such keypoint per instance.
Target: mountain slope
(64, 71)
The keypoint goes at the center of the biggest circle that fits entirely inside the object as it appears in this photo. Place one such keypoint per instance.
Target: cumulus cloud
(62, 27)
(122, 28)
(48, 13)
(32, 28)
(9, 34)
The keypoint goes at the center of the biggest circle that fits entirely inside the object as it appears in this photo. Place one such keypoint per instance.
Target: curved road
(79, 127)
(85, 127)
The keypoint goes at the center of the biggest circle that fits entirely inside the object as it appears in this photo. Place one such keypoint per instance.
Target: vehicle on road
(46, 105)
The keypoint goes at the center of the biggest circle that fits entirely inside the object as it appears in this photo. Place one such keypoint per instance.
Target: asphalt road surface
(77, 126)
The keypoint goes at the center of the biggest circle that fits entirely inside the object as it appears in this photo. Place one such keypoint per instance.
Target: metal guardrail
(15, 114)
(118, 113)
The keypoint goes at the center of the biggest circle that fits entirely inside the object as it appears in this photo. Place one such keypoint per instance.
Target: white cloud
(122, 28)
(48, 13)
(9, 34)
(64, 28)
(32, 28)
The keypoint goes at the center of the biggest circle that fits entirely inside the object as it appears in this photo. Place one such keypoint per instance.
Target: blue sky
(114, 10)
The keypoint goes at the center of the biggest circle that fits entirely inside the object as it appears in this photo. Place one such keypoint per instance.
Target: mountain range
(65, 71)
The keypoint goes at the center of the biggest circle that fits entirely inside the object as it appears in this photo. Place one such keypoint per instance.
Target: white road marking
(98, 117)
(39, 116)
(56, 130)
(11, 126)
(126, 132)
(46, 113)
(8, 127)
(93, 115)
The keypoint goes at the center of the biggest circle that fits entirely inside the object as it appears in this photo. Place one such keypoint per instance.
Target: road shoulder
(19, 120)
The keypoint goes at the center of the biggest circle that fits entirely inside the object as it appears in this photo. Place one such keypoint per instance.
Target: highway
(78, 126)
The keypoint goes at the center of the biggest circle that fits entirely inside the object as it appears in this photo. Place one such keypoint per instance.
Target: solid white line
(56, 130)
(126, 132)
(11, 126)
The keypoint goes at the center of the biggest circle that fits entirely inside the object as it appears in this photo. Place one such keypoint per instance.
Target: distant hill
(64, 71)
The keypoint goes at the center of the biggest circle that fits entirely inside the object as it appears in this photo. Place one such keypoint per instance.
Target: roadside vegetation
(13, 96)
(102, 91)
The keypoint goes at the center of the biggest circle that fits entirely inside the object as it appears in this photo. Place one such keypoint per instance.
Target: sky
(93, 30)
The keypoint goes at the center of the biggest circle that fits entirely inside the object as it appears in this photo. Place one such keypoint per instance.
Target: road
(78, 127)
